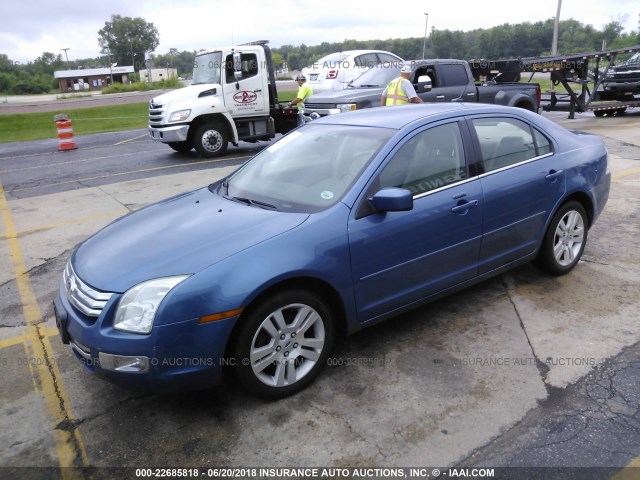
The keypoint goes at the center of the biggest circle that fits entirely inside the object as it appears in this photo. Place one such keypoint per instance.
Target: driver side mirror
(424, 83)
(237, 66)
(393, 200)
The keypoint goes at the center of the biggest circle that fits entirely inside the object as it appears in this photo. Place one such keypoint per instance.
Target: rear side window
(455, 75)
(507, 141)
(366, 60)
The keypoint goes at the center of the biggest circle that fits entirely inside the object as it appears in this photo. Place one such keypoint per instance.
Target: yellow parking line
(10, 342)
(132, 139)
(45, 373)
(630, 472)
(625, 173)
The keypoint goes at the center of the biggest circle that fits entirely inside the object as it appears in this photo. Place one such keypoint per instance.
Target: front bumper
(183, 355)
(178, 133)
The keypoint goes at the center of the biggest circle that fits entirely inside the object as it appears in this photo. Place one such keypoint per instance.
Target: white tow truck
(232, 98)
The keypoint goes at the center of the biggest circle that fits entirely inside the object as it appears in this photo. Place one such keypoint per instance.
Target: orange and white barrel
(65, 133)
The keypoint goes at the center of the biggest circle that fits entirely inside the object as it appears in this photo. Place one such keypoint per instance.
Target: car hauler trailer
(583, 75)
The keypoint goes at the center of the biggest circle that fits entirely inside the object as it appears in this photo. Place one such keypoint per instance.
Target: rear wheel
(284, 343)
(182, 147)
(210, 139)
(599, 113)
(564, 241)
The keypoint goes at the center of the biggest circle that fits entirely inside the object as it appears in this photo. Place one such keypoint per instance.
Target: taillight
(332, 74)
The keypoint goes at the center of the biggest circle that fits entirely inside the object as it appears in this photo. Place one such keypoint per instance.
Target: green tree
(126, 39)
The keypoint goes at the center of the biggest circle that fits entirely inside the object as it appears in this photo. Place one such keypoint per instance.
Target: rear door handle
(464, 207)
(440, 97)
(554, 175)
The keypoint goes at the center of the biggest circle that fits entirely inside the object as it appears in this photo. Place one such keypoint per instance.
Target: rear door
(402, 257)
(522, 185)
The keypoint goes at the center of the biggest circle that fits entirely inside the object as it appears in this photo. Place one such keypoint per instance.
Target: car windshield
(207, 68)
(634, 59)
(378, 76)
(307, 171)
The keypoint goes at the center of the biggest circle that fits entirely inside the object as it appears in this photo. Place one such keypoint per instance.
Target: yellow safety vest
(395, 93)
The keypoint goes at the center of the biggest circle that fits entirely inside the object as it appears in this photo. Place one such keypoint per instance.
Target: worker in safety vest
(400, 91)
(304, 92)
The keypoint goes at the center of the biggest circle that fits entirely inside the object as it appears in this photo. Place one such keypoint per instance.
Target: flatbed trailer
(581, 74)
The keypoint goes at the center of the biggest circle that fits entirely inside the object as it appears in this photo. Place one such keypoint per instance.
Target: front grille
(156, 112)
(319, 106)
(86, 299)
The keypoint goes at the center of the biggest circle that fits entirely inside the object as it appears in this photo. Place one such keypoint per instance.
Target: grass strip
(113, 118)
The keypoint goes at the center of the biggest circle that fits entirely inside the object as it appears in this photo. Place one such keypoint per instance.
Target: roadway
(522, 370)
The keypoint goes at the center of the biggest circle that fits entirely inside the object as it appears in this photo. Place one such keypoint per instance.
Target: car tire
(564, 240)
(283, 343)
(210, 139)
(182, 147)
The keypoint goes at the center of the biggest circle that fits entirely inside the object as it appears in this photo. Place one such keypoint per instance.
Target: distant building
(158, 74)
(92, 78)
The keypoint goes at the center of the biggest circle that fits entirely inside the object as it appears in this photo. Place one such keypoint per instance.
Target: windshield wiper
(367, 86)
(254, 203)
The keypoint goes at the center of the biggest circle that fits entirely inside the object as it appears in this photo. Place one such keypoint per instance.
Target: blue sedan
(344, 222)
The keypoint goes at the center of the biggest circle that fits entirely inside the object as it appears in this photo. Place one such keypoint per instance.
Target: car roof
(399, 117)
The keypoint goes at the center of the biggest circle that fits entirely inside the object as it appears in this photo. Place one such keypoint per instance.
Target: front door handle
(464, 207)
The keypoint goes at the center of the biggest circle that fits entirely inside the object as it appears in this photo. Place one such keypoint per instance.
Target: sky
(30, 27)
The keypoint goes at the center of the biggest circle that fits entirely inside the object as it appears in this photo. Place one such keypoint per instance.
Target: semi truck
(232, 98)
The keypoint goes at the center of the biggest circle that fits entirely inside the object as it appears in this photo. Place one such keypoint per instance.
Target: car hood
(180, 235)
(349, 95)
(186, 94)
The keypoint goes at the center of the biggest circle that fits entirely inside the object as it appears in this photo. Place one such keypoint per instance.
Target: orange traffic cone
(65, 132)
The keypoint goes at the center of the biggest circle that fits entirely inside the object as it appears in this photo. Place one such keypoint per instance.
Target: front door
(247, 96)
(402, 257)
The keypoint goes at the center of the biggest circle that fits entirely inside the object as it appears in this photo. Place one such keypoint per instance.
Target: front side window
(249, 66)
(507, 141)
(432, 159)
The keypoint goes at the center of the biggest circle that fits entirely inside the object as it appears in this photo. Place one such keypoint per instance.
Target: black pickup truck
(623, 79)
(434, 80)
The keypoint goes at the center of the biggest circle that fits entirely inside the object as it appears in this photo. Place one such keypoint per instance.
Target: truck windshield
(207, 68)
(378, 76)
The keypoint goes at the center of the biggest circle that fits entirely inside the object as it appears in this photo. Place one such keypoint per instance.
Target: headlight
(180, 116)
(138, 306)
(346, 107)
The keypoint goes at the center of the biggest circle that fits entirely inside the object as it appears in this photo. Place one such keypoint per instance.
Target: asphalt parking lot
(473, 379)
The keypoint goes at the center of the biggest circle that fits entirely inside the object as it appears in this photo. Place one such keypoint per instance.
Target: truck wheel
(182, 147)
(284, 343)
(564, 241)
(599, 113)
(210, 139)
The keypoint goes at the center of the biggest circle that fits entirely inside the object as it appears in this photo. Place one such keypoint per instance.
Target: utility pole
(424, 44)
(556, 27)
(65, 54)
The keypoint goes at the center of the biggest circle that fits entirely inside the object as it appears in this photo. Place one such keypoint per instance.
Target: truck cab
(233, 98)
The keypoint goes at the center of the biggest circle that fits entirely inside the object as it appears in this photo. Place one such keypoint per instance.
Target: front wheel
(564, 241)
(210, 139)
(284, 343)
